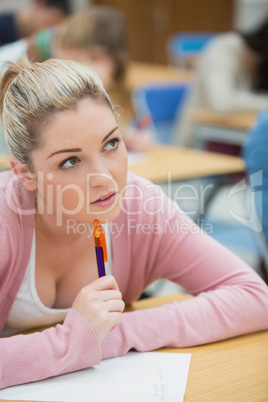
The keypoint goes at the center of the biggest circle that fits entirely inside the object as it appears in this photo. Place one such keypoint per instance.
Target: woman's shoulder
(138, 185)
(5, 178)
(132, 178)
(16, 202)
(224, 43)
(230, 38)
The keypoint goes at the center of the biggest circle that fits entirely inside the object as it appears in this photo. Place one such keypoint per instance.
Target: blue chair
(161, 104)
(183, 48)
(255, 155)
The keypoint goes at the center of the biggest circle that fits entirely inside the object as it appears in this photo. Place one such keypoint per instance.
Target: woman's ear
(28, 179)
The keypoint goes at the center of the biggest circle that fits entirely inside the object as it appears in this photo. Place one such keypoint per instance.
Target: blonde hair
(98, 27)
(30, 95)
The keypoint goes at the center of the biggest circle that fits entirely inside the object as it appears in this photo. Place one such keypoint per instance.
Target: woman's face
(100, 62)
(82, 166)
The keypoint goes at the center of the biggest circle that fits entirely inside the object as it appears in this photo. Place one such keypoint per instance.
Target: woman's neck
(67, 234)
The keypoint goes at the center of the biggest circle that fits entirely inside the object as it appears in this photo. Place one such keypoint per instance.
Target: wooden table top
(237, 120)
(232, 370)
(140, 73)
(4, 162)
(185, 163)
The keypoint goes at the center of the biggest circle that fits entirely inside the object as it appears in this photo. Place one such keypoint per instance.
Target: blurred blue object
(160, 104)
(3, 145)
(183, 47)
(255, 155)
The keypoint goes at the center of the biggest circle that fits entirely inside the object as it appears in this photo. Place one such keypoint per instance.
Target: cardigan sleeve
(8, 274)
(231, 303)
(14, 257)
(230, 299)
(68, 347)
(6, 256)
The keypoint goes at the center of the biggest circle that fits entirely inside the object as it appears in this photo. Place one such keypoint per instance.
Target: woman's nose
(99, 176)
(99, 179)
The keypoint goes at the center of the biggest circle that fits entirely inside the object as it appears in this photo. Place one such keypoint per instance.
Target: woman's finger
(107, 295)
(104, 283)
(115, 306)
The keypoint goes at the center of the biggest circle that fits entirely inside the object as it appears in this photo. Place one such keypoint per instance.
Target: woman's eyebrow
(108, 135)
(79, 149)
(65, 150)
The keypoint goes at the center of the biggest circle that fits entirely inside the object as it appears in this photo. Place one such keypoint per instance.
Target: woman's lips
(105, 201)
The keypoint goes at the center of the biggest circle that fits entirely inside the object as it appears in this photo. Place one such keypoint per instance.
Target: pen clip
(99, 238)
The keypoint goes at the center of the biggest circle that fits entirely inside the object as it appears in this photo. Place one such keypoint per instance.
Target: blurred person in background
(39, 15)
(255, 155)
(231, 76)
(95, 36)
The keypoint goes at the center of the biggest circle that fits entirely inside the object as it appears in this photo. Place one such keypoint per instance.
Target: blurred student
(255, 156)
(94, 36)
(232, 75)
(97, 37)
(39, 15)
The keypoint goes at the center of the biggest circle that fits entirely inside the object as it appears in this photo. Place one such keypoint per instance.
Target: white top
(28, 311)
(221, 84)
(13, 51)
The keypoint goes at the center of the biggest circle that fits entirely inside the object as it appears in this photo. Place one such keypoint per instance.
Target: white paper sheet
(137, 157)
(136, 377)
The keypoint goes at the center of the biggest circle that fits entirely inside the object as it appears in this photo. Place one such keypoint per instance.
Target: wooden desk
(4, 162)
(228, 128)
(231, 370)
(239, 120)
(185, 163)
(140, 73)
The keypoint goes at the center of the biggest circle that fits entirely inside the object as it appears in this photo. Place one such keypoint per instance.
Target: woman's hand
(101, 304)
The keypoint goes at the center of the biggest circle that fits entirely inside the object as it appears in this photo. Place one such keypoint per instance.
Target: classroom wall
(151, 22)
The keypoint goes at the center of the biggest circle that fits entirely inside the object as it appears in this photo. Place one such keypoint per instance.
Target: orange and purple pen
(100, 247)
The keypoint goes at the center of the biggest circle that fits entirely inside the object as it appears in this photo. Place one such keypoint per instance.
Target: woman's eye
(69, 163)
(112, 144)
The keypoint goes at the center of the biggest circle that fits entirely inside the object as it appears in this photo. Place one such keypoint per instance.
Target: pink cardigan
(231, 299)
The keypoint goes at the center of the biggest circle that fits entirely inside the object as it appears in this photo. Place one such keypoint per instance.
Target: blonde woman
(70, 167)
(95, 36)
